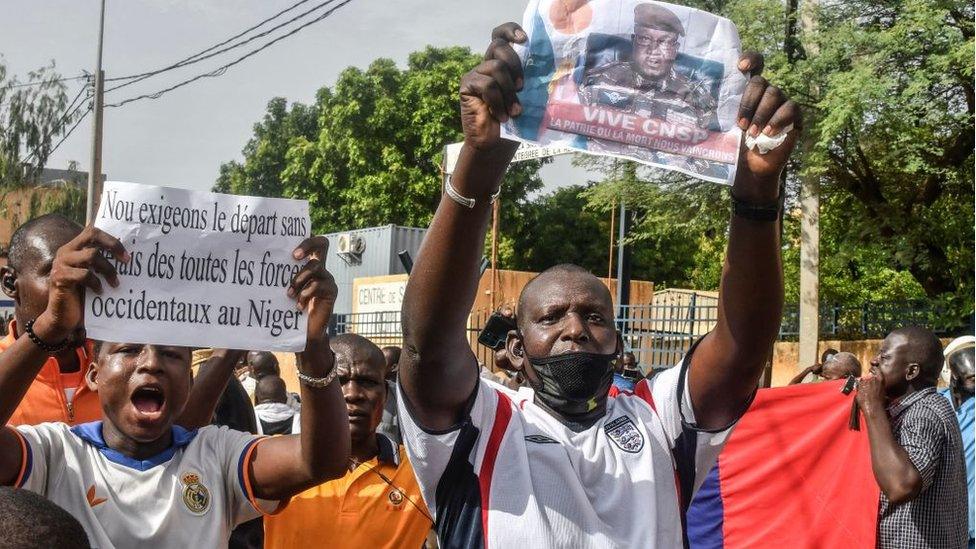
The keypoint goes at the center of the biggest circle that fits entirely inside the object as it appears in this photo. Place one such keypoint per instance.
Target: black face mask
(574, 385)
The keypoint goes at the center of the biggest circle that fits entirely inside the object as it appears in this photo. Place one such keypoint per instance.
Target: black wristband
(41, 344)
(767, 212)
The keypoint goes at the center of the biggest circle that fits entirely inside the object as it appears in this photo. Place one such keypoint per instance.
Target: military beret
(657, 17)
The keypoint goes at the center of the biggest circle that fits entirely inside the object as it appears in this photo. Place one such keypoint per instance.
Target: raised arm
(73, 270)
(284, 466)
(798, 378)
(892, 466)
(726, 367)
(438, 371)
(208, 385)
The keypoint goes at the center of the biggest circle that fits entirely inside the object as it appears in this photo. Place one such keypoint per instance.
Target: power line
(205, 54)
(67, 116)
(222, 69)
(68, 133)
(72, 104)
(69, 112)
(232, 38)
(42, 82)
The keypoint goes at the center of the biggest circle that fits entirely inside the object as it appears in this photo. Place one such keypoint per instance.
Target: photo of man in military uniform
(648, 85)
(645, 83)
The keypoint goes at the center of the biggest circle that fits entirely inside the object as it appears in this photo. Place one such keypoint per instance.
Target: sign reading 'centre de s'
(207, 269)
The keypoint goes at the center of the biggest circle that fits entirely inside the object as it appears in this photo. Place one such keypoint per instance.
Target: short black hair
(924, 349)
(850, 359)
(828, 352)
(19, 253)
(270, 389)
(352, 342)
(394, 354)
(571, 268)
(263, 363)
(32, 522)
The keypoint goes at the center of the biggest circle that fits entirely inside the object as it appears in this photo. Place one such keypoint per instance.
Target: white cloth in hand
(765, 143)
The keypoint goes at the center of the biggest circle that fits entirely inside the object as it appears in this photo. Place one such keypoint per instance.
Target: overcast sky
(181, 138)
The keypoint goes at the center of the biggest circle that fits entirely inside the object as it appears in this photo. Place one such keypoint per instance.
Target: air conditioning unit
(351, 248)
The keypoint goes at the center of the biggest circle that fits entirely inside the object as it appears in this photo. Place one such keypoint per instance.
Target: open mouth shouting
(148, 400)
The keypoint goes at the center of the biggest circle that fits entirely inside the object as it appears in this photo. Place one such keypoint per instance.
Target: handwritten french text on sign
(637, 79)
(207, 270)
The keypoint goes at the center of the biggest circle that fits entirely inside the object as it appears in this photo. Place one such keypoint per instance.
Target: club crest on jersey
(196, 496)
(396, 498)
(625, 434)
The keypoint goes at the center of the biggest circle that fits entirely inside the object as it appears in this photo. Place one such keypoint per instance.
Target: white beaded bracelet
(463, 200)
(319, 382)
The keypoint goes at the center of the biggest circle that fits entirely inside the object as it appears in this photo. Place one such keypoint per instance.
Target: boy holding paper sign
(136, 477)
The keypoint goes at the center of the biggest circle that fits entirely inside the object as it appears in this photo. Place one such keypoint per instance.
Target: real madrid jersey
(511, 475)
(191, 495)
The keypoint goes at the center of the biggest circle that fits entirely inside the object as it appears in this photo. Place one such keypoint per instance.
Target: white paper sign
(207, 269)
(637, 79)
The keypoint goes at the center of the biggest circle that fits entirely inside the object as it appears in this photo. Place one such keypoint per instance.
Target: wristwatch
(765, 212)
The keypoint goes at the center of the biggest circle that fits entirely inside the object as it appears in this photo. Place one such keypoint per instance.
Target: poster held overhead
(207, 269)
(646, 81)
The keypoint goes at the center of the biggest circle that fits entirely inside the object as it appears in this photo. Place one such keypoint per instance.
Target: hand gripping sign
(646, 81)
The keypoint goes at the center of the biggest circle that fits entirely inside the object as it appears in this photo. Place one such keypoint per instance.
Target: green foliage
(24, 202)
(69, 201)
(887, 90)
(31, 117)
(678, 235)
(556, 229)
(264, 154)
(369, 151)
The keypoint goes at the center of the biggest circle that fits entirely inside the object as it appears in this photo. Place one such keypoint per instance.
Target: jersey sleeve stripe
(503, 414)
(26, 460)
(644, 392)
(245, 479)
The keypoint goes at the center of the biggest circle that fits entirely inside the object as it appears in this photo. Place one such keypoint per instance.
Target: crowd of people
(116, 444)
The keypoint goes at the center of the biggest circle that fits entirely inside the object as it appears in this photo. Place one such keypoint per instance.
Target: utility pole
(809, 234)
(95, 170)
(495, 212)
(623, 263)
(623, 249)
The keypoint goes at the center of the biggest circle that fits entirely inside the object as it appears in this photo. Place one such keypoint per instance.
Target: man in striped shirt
(916, 446)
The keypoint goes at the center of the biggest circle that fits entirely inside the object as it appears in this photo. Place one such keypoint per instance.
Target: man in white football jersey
(566, 466)
(136, 479)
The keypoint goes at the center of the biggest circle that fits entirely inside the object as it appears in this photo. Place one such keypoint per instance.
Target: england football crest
(625, 434)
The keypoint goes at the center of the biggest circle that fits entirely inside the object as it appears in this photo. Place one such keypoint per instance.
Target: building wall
(20, 204)
(378, 259)
(509, 285)
(786, 356)
(404, 238)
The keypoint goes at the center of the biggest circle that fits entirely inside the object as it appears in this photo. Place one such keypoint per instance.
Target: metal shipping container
(373, 252)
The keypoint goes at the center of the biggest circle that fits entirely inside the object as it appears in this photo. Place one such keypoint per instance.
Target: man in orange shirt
(59, 392)
(377, 504)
